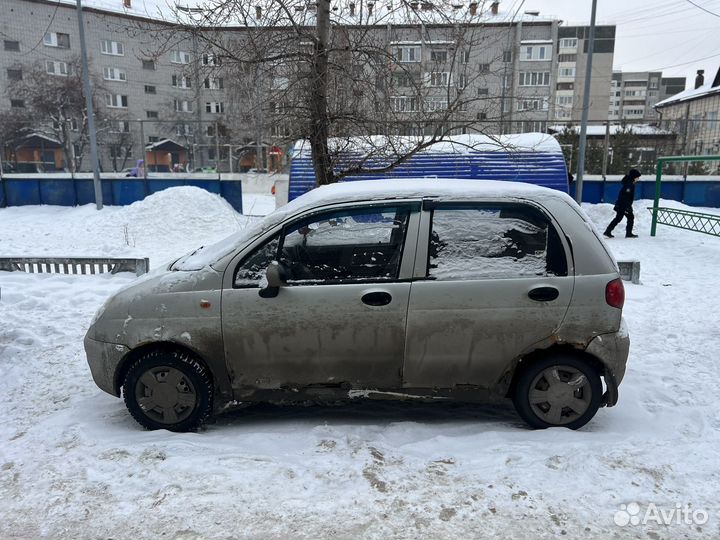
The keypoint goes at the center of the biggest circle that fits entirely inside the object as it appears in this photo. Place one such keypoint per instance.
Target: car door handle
(376, 298)
(544, 294)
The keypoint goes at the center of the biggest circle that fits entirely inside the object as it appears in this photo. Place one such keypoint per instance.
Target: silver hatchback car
(474, 291)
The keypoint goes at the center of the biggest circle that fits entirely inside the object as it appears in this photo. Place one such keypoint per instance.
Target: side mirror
(276, 277)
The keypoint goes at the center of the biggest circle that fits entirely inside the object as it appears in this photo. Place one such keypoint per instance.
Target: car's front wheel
(558, 390)
(168, 390)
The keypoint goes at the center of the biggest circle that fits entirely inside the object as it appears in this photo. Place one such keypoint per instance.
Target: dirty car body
(424, 289)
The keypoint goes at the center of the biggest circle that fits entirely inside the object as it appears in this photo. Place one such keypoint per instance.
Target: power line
(704, 9)
(686, 63)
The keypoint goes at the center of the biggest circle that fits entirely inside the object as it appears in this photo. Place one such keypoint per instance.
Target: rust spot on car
(205, 304)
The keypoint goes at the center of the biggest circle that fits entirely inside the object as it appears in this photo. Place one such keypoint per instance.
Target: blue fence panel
(58, 191)
(213, 186)
(154, 185)
(22, 191)
(231, 191)
(128, 191)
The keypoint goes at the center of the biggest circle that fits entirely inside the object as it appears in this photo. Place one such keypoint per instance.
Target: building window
(566, 72)
(507, 56)
(484, 68)
(213, 83)
(439, 78)
(566, 86)
(114, 74)
(534, 78)
(210, 60)
(153, 138)
(565, 101)
(403, 104)
(180, 57)
(183, 130)
(537, 52)
(181, 81)
(532, 105)
(481, 116)
(116, 101)
(483, 91)
(122, 126)
(17, 103)
(437, 104)
(465, 56)
(183, 105)
(568, 43)
(60, 69)
(150, 89)
(408, 54)
(57, 39)
(461, 81)
(14, 74)
(567, 58)
(151, 114)
(10, 45)
(148, 64)
(438, 56)
(114, 48)
(216, 107)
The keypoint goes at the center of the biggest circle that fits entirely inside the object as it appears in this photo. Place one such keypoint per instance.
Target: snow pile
(161, 227)
(73, 464)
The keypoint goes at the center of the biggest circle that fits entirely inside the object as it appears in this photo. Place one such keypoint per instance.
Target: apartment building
(173, 97)
(572, 55)
(633, 95)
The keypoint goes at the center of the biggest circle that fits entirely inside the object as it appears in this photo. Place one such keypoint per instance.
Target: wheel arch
(525, 361)
(162, 346)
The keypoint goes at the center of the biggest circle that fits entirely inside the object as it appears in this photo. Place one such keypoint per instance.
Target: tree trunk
(320, 122)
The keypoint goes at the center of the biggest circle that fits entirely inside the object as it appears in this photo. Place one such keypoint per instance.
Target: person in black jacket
(623, 205)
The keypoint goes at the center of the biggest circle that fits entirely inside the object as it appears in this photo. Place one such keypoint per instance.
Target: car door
(491, 281)
(341, 317)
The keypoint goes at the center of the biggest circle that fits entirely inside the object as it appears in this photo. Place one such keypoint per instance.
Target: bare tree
(55, 105)
(369, 72)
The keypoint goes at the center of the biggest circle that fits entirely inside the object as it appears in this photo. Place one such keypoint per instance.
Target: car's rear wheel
(168, 390)
(558, 390)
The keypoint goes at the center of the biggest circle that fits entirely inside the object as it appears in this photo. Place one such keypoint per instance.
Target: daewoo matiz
(473, 291)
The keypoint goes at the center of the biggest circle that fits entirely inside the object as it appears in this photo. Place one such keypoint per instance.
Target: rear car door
(491, 282)
(341, 318)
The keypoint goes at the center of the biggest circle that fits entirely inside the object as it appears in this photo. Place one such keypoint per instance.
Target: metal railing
(74, 265)
(682, 219)
(691, 221)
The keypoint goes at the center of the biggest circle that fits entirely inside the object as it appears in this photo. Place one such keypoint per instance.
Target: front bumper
(104, 359)
(612, 350)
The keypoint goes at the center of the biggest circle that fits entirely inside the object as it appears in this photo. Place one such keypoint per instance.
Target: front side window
(493, 241)
(251, 270)
(346, 245)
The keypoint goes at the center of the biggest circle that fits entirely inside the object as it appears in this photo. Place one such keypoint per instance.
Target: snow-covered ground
(73, 464)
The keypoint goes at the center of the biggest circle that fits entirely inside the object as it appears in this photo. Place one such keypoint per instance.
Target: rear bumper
(612, 350)
(104, 359)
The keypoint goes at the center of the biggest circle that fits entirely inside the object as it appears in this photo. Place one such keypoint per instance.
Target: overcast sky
(651, 34)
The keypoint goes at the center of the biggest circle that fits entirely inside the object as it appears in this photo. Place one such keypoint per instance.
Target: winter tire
(168, 390)
(558, 390)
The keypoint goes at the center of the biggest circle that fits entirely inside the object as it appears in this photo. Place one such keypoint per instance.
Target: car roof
(410, 188)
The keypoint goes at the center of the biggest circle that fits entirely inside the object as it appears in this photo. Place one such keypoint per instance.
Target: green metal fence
(682, 219)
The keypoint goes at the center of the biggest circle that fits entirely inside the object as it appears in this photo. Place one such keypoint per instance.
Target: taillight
(615, 293)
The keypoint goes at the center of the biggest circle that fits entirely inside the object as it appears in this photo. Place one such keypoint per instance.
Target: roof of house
(167, 145)
(711, 87)
(343, 12)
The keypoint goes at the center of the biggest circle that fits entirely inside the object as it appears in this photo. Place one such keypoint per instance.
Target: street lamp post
(87, 88)
(586, 107)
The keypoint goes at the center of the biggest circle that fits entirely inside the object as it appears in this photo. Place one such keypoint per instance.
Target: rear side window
(493, 241)
(363, 244)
